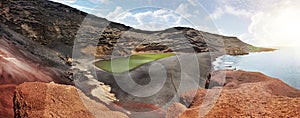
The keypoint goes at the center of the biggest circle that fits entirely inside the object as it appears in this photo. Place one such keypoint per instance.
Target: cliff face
(55, 25)
(234, 46)
(40, 20)
(22, 61)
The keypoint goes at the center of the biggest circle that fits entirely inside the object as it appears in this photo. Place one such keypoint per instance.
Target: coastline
(280, 64)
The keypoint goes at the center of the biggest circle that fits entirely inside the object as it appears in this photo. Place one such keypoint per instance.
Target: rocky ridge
(55, 25)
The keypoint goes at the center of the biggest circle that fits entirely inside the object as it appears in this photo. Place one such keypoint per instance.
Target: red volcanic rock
(18, 65)
(191, 96)
(139, 110)
(6, 104)
(254, 95)
(34, 99)
(175, 110)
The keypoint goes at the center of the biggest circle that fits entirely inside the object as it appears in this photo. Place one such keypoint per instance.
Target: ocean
(283, 64)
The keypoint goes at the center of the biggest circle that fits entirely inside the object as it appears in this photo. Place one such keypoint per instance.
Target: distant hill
(55, 25)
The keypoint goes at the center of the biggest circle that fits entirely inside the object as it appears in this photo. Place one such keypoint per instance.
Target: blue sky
(266, 23)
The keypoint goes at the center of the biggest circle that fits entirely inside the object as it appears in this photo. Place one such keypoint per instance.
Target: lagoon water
(283, 64)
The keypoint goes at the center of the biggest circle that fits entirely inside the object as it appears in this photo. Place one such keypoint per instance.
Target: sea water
(283, 64)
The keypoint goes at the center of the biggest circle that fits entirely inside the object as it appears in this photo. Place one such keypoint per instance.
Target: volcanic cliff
(55, 25)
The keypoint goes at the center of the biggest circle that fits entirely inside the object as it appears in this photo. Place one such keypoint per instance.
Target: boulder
(175, 110)
(253, 95)
(35, 99)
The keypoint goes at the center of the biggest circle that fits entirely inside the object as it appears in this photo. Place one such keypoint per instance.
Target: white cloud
(101, 1)
(182, 9)
(229, 10)
(151, 26)
(140, 16)
(250, 5)
(248, 10)
(217, 13)
(151, 20)
(277, 26)
(193, 2)
(114, 14)
(237, 12)
(156, 20)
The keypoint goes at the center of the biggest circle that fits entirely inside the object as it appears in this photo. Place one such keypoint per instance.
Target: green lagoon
(124, 64)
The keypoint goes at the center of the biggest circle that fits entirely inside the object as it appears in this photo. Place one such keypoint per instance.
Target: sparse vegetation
(253, 48)
(258, 49)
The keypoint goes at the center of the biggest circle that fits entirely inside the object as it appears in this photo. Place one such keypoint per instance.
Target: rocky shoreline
(248, 94)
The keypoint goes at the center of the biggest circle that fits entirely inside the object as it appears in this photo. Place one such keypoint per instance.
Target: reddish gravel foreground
(247, 94)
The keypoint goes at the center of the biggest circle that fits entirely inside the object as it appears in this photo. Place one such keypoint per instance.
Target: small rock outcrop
(6, 104)
(175, 110)
(35, 99)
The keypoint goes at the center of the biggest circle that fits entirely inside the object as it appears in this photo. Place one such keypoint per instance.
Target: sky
(266, 23)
